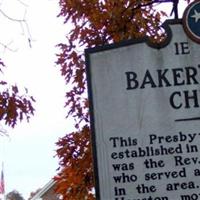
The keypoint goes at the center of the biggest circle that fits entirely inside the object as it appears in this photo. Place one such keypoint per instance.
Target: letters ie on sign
(145, 113)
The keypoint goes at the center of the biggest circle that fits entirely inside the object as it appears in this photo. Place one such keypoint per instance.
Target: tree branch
(23, 23)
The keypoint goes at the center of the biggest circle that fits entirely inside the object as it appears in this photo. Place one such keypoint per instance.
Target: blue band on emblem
(191, 21)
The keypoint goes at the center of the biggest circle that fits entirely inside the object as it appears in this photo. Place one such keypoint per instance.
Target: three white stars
(196, 16)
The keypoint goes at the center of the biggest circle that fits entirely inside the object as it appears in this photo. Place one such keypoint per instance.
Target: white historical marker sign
(145, 105)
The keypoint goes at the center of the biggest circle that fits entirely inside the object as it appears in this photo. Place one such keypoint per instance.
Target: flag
(2, 185)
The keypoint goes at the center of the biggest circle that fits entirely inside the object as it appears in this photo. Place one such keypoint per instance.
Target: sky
(28, 152)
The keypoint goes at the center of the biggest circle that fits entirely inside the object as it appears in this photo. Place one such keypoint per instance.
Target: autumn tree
(14, 104)
(92, 23)
(14, 195)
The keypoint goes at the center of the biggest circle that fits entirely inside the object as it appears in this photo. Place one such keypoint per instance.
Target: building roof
(39, 194)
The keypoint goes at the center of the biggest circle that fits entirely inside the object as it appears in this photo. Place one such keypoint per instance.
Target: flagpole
(3, 132)
(3, 180)
(2, 184)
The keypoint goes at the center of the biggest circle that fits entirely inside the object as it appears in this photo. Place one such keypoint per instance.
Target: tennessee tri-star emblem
(191, 21)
